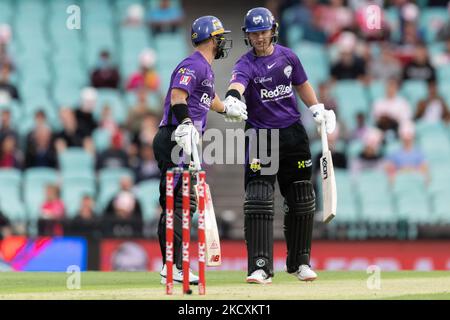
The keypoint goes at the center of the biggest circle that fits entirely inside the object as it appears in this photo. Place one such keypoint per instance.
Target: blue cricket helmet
(206, 27)
(260, 19)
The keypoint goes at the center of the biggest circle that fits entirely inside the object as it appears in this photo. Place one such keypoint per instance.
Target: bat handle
(197, 163)
(323, 134)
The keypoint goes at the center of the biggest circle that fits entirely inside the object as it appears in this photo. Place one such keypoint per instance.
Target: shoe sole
(193, 283)
(308, 279)
(258, 282)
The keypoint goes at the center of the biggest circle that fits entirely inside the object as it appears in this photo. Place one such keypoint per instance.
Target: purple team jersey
(271, 102)
(195, 76)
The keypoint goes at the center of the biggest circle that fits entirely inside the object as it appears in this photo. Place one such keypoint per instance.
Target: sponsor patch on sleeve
(184, 80)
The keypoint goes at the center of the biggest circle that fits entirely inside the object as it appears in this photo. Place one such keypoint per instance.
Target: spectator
(391, 111)
(408, 157)
(371, 156)
(70, 135)
(5, 58)
(165, 18)
(40, 150)
(146, 167)
(335, 17)
(148, 130)
(10, 155)
(326, 98)
(107, 121)
(5, 39)
(339, 157)
(115, 156)
(52, 213)
(5, 226)
(433, 108)
(5, 34)
(420, 67)
(306, 16)
(138, 112)
(361, 127)
(40, 120)
(84, 113)
(6, 87)
(385, 66)
(146, 77)
(444, 33)
(135, 16)
(442, 58)
(349, 65)
(366, 24)
(123, 215)
(86, 222)
(6, 128)
(106, 74)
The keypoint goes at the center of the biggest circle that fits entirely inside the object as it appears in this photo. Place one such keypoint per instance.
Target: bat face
(212, 239)
(329, 193)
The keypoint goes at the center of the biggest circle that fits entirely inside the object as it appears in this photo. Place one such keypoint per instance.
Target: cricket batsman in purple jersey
(190, 96)
(267, 77)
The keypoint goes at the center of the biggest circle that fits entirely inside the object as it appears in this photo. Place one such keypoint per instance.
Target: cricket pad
(258, 226)
(299, 209)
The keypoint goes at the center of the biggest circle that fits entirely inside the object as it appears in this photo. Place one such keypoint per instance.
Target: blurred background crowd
(79, 108)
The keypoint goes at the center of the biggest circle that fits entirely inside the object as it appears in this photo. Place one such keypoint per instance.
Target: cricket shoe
(178, 276)
(305, 273)
(259, 276)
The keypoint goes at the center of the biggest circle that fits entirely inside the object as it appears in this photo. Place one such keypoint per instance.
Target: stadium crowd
(397, 51)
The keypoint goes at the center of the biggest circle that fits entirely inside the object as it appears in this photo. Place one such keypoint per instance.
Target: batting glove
(185, 134)
(235, 110)
(320, 114)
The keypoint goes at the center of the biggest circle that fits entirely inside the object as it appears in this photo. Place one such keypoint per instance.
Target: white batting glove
(235, 110)
(320, 114)
(185, 134)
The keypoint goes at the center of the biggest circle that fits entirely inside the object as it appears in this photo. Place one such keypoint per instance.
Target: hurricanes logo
(194, 35)
(258, 20)
(255, 165)
(288, 71)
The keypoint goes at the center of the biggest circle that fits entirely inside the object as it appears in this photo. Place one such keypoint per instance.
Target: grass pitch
(225, 285)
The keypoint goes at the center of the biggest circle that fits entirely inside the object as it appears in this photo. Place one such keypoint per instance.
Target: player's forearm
(236, 90)
(217, 105)
(178, 102)
(307, 94)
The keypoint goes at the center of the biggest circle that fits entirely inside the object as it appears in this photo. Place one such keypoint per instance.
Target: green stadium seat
(35, 182)
(148, 195)
(377, 90)
(348, 108)
(102, 139)
(407, 182)
(73, 192)
(413, 206)
(443, 74)
(76, 159)
(441, 207)
(11, 205)
(10, 177)
(414, 91)
(431, 20)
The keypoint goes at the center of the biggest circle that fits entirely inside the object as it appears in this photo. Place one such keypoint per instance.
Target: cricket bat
(329, 192)
(212, 239)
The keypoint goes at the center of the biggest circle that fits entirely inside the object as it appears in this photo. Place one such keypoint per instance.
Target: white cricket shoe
(259, 276)
(304, 273)
(178, 276)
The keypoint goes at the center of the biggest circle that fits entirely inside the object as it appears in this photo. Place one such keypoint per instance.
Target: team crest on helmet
(217, 24)
(258, 20)
(288, 71)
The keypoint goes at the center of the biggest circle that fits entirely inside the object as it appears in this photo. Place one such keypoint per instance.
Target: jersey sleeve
(186, 78)
(240, 73)
(298, 72)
